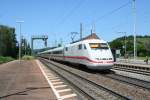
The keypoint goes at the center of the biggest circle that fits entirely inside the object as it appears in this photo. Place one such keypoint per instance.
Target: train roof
(86, 41)
(93, 38)
(53, 49)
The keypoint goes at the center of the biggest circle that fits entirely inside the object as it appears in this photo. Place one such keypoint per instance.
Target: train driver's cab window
(66, 49)
(84, 46)
(96, 46)
(80, 46)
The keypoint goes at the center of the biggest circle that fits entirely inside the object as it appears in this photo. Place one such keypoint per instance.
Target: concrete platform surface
(133, 64)
(23, 81)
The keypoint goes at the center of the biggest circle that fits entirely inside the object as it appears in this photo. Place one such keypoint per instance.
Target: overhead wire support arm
(43, 37)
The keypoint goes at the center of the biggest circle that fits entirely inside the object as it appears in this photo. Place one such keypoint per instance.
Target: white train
(93, 53)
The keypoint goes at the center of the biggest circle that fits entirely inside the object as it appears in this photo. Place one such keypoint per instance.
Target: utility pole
(125, 43)
(55, 43)
(134, 30)
(93, 28)
(25, 44)
(81, 31)
(73, 35)
(20, 22)
(0, 43)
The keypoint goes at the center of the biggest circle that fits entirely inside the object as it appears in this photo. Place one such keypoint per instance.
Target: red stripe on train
(109, 62)
(83, 58)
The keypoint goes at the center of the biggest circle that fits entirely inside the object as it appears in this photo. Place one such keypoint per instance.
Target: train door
(63, 54)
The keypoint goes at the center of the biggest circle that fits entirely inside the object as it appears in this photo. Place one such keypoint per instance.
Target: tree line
(9, 45)
(143, 45)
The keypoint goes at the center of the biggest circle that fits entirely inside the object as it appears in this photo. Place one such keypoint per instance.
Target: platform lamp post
(25, 44)
(20, 22)
(134, 30)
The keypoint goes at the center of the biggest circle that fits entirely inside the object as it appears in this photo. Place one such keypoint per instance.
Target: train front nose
(101, 60)
(100, 66)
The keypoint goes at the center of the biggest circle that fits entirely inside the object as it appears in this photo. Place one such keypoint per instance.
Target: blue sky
(58, 18)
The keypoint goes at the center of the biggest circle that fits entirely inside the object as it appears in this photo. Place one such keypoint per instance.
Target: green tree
(147, 47)
(143, 45)
(25, 47)
(117, 44)
(28, 49)
(8, 41)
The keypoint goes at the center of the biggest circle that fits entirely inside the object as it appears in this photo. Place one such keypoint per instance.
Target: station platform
(134, 65)
(139, 63)
(23, 81)
(132, 61)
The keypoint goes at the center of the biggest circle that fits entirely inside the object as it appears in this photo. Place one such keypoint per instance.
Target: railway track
(132, 68)
(125, 79)
(91, 89)
(128, 91)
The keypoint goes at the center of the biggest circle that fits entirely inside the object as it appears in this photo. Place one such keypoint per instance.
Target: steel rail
(132, 70)
(93, 83)
(68, 81)
(132, 81)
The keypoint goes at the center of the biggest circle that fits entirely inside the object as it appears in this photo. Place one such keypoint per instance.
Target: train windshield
(96, 46)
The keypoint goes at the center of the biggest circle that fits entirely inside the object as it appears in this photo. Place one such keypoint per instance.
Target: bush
(5, 59)
(27, 57)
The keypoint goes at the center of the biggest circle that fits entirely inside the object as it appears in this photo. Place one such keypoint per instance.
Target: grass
(27, 57)
(8, 59)
(5, 59)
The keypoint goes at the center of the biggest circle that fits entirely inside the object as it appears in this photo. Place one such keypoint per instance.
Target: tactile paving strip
(60, 89)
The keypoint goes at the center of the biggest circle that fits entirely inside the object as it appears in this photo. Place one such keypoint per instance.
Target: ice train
(91, 51)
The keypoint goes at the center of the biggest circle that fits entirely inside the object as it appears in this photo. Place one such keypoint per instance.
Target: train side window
(80, 46)
(66, 49)
(84, 46)
(58, 52)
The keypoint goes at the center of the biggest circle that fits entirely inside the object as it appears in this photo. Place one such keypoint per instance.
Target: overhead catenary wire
(66, 17)
(146, 19)
(110, 13)
(118, 25)
(113, 11)
(78, 5)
